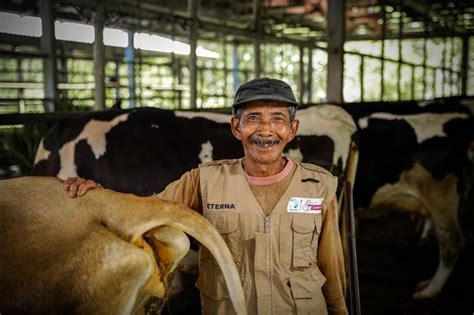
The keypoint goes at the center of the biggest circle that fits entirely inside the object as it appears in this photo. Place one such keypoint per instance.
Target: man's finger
(84, 187)
(68, 182)
(73, 187)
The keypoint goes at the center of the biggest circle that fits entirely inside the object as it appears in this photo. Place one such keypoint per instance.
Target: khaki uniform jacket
(276, 255)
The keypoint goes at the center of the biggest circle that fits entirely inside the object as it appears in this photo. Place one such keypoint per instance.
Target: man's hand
(77, 186)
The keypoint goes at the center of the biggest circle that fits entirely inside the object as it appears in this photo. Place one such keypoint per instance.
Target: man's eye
(252, 118)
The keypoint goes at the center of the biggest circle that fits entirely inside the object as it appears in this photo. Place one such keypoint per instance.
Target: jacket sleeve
(185, 190)
(331, 261)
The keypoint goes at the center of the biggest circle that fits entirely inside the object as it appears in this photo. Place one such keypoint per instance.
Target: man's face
(264, 130)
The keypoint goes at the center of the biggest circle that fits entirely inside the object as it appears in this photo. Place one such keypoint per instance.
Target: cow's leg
(418, 191)
(443, 204)
(427, 228)
(450, 242)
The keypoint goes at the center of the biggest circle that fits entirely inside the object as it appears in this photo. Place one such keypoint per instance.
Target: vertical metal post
(19, 78)
(193, 35)
(224, 46)
(99, 58)
(400, 36)
(257, 58)
(257, 29)
(335, 39)
(443, 67)
(48, 47)
(361, 78)
(425, 43)
(464, 64)
(353, 297)
(301, 86)
(382, 52)
(63, 72)
(451, 68)
(180, 81)
(139, 95)
(412, 82)
(117, 78)
(130, 60)
(309, 84)
(425, 46)
(235, 67)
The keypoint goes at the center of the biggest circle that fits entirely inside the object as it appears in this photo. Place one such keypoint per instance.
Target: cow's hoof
(422, 284)
(425, 290)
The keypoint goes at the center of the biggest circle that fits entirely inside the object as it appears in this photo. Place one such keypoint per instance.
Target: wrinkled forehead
(264, 105)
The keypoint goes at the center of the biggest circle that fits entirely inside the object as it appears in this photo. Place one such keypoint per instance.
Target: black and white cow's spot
(425, 125)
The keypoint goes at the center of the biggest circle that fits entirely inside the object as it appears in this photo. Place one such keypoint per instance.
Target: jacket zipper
(266, 224)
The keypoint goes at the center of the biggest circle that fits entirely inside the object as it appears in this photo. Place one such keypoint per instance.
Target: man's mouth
(263, 142)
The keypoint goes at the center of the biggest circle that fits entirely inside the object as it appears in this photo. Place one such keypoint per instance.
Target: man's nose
(265, 127)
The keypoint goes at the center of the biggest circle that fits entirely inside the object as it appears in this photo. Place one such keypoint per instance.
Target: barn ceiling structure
(307, 24)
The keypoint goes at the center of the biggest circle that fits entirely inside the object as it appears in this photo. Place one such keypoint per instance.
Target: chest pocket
(299, 235)
(227, 224)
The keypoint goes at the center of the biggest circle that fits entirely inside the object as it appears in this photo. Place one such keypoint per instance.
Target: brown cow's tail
(152, 212)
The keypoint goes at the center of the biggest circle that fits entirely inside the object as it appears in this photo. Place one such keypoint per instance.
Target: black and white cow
(142, 150)
(417, 160)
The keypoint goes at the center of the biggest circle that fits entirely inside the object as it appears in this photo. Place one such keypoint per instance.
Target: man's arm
(331, 261)
(185, 190)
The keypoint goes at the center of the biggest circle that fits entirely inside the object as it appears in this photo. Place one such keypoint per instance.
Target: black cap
(264, 89)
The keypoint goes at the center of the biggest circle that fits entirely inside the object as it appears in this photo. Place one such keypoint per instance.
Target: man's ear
(294, 128)
(234, 126)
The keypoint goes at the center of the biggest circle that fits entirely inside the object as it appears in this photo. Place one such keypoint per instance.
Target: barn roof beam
(433, 16)
(411, 35)
(150, 14)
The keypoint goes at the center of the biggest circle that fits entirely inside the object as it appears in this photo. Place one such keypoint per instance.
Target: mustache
(263, 141)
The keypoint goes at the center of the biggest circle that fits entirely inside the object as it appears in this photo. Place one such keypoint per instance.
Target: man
(278, 217)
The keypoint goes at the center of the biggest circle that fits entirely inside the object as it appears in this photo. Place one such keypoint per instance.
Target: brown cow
(105, 253)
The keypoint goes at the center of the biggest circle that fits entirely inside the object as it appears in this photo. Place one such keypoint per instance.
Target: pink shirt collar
(268, 180)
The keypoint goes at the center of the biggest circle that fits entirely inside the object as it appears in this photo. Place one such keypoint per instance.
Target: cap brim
(265, 98)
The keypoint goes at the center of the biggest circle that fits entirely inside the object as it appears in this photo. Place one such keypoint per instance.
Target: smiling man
(278, 217)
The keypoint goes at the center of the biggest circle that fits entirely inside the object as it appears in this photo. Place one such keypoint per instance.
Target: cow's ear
(235, 127)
